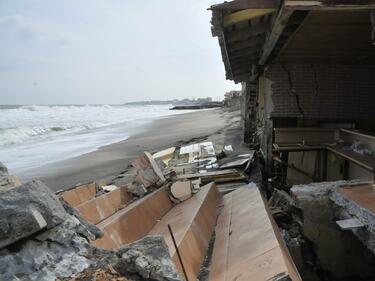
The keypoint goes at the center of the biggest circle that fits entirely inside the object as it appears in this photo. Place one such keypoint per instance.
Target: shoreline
(111, 160)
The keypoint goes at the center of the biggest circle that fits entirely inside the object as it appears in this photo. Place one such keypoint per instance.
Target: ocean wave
(25, 123)
(17, 135)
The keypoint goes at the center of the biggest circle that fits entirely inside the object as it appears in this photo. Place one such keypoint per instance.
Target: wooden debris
(165, 155)
(181, 190)
(148, 172)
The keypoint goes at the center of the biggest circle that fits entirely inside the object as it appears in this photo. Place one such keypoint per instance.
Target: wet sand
(111, 160)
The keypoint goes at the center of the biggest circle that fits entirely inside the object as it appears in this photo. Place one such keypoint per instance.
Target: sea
(35, 135)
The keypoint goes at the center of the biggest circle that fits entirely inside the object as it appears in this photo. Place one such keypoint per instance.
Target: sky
(108, 52)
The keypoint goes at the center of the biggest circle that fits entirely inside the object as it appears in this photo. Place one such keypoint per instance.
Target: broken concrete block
(3, 170)
(58, 252)
(147, 259)
(8, 182)
(137, 189)
(148, 172)
(28, 209)
(182, 190)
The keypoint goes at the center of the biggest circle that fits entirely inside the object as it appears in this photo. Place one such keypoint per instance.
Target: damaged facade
(307, 70)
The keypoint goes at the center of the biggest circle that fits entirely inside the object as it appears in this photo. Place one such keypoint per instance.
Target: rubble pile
(64, 236)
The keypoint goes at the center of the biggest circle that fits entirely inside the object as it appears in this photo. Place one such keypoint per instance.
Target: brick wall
(324, 91)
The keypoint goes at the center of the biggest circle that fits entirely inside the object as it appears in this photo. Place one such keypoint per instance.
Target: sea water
(36, 135)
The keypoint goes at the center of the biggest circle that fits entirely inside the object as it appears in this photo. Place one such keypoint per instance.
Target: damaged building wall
(323, 91)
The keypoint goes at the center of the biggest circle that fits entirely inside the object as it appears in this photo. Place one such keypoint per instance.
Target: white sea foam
(33, 135)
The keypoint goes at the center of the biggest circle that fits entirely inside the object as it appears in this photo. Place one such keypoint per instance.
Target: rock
(85, 228)
(3, 170)
(147, 259)
(137, 189)
(28, 209)
(58, 252)
(8, 182)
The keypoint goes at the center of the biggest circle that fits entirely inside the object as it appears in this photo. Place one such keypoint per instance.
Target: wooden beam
(246, 44)
(244, 15)
(280, 22)
(372, 18)
(246, 33)
(242, 53)
(245, 4)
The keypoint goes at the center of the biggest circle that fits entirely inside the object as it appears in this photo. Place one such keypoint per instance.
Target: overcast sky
(109, 51)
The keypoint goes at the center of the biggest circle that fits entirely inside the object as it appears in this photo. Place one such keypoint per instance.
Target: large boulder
(147, 259)
(28, 209)
(55, 253)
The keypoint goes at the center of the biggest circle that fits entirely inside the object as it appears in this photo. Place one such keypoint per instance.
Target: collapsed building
(307, 72)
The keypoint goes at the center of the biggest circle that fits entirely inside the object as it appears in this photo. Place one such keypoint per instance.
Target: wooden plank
(253, 250)
(365, 161)
(209, 174)
(246, 33)
(244, 15)
(192, 223)
(246, 44)
(135, 221)
(278, 27)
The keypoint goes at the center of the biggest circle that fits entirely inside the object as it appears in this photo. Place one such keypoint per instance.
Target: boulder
(58, 252)
(28, 209)
(7, 181)
(3, 170)
(147, 259)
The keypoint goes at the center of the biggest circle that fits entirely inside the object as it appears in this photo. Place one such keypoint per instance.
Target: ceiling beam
(253, 42)
(246, 33)
(278, 26)
(248, 14)
(244, 52)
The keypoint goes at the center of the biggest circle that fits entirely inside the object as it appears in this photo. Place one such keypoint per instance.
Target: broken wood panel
(254, 251)
(363, 195)
(209, 174)
(192, 223)
(247, 14)
(135, 221)
(148, 172)
(79, 194)
(102, 207)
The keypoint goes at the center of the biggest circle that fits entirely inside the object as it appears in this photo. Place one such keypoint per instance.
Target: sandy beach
(111, 160)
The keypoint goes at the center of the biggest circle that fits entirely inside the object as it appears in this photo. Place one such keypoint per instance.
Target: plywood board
(134, 221)
(247, 247)
(192, 223)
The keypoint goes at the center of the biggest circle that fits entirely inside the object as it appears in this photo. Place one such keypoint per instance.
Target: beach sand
(111, 160)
